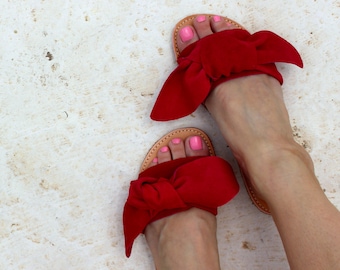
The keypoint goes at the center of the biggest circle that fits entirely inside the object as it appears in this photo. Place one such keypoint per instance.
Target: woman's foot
(253, 119)
(249, 111)
(186, 240)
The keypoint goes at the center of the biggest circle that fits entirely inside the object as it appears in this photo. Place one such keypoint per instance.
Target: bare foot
(250, 112)
(253, 119)
(186, 240)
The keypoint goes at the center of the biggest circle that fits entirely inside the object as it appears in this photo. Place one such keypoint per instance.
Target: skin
(254, 121)
(186, 240)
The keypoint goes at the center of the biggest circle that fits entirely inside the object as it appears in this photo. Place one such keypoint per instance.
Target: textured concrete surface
(78, 80)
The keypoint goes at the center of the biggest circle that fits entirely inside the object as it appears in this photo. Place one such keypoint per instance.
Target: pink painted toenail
(176, 141)
(186, 33)
(217, 18)
(200, 18)
(196, 143)
(155, 160)
(164, 149)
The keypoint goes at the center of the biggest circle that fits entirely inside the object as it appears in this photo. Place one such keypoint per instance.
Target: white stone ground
(78, 80)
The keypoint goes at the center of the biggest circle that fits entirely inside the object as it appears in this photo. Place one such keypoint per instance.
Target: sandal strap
(216, 58)
(176, 186)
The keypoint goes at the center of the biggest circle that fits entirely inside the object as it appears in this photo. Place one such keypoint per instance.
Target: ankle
(277, 167)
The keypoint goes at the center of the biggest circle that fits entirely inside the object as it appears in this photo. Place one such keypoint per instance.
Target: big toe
(195, 146)
(186, 36)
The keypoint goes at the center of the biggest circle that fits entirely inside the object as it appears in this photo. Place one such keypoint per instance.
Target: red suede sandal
(213, 60)
(204, 182)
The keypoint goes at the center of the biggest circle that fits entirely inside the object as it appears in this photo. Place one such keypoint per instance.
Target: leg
(252, 116)
(252, 110)
(186, 240)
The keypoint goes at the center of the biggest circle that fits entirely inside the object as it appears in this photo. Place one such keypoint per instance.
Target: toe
(174, 150)
(219, 24)
(202, 26)
(195, 146)
(154, 162)
(176, 146)
(186, 36)
(164, 154)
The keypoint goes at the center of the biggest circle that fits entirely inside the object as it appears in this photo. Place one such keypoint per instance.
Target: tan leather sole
(189, 21)
(181, 133)
(257, 201)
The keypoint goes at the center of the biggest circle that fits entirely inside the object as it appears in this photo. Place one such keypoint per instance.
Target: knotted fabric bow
(217, 58)
(175, 186)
